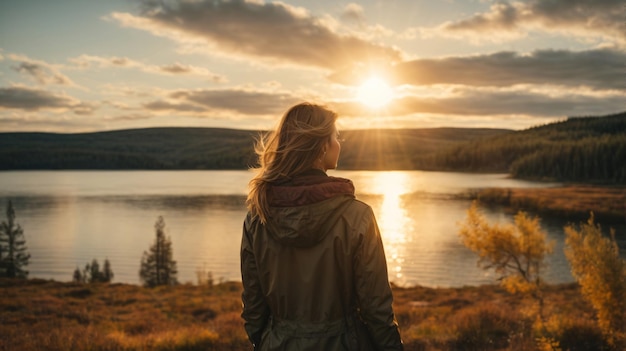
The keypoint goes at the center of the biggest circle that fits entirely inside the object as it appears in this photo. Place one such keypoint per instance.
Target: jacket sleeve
(373, 289)
(255, 309)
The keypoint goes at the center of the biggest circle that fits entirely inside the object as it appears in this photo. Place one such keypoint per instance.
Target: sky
(72, 66)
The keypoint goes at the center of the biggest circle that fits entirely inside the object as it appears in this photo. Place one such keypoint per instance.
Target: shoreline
(571, 201)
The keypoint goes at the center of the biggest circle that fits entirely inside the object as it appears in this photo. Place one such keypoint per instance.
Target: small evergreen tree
(78, 276)
(87, 273)
(92, 273)
(13, 255)
(204, 277)
(157, 265)
(107, 272)
(601, 273)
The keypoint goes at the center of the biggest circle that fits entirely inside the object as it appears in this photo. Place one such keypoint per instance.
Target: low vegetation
(588, 315)
(48, 315)
(516, 251)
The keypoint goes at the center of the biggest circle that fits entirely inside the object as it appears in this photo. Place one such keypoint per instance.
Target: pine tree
(87, 273)
(94, 271)
(93, 274)
(107, 272)
(13, 255)
(157, 265)
(78, 276)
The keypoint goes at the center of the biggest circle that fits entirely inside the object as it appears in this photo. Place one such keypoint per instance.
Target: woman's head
(301, 141)
(305, 138)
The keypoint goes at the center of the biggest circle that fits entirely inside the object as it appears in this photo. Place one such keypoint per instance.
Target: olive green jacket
(315, 270)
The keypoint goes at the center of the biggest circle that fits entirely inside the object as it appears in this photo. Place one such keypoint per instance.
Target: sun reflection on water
(393, 220)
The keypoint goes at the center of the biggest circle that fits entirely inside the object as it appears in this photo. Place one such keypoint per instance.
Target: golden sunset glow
(354, 58)
(393, 219)
(392, 215)
(375, 93)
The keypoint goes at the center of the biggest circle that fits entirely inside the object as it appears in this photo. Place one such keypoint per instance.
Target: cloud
(22, 98)
(86, 61)
(128, 117)
(250, 102)
(584, 18)
(272, 32)
(42, 72)
(601, 69)
(499, 102)
(353, 14)
(169, 106)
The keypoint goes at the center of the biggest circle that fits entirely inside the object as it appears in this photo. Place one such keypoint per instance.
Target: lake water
(72, 217)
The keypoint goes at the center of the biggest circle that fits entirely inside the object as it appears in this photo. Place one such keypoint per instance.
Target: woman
(312, 262)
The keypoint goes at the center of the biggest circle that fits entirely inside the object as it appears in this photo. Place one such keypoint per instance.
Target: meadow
(50, 315)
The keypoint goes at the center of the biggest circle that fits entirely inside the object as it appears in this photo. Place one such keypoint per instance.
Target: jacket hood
(303, 209)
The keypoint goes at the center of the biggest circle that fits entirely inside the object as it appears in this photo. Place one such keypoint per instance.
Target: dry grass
(47, 315)
(574, 202)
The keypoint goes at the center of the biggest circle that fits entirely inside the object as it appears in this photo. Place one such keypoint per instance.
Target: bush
(516, 251)
(485, 328)
(582, 337)
(601, 273)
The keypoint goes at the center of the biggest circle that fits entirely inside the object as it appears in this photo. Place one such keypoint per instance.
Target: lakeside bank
(574, 202)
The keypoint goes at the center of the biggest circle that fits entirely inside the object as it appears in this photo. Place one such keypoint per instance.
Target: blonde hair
(289, 150)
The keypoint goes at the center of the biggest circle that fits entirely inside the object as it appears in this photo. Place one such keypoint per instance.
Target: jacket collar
(307, 188)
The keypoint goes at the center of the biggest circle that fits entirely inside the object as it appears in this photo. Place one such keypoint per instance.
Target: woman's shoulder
(359, 207)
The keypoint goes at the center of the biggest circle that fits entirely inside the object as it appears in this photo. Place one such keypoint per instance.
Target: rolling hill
(579, 149)
(210, 148)
(582, 149)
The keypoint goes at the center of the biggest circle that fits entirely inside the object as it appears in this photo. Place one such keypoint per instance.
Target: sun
(374, 93)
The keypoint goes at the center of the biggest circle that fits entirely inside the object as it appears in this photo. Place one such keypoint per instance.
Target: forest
(582, 149)
(211, 148)
(578, 149)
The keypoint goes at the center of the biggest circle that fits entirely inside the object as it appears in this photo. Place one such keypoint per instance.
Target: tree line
(587, 149)
(210, 148)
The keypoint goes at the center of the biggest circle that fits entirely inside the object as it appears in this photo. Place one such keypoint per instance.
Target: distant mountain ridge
(589, 149)
(212, 148)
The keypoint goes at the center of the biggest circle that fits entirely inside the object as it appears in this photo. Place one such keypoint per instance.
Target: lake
(72, 217)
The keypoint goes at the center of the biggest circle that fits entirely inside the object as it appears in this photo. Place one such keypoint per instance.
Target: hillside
(210, 148)
(589, 149)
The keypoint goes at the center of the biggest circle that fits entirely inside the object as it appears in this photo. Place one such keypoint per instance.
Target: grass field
(48, 315)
